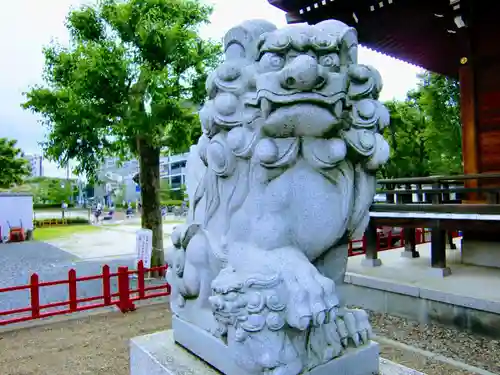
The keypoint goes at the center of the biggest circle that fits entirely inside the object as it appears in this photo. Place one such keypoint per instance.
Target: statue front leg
(192, 268)
(270, 308)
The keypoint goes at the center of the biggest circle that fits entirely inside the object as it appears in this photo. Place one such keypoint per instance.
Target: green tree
(165, 190)
(13, 167)
(51, 190)
(126, 86)
(407, 138)
(439, 99)
(425, 133)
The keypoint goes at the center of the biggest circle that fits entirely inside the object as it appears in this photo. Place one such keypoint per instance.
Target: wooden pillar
(438, 250)
(371, 246)
(438, 240)
(409, 234)
(468, 113)
(450, 240)
(410, 250)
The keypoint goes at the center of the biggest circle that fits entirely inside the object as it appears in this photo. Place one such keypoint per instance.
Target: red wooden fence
(124, 298)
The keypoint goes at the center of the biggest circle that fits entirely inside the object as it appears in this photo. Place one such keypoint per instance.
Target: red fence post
(140, 279)
(363, 243)
(169, 289)
(124, 303)
(35, 295)
(106, 285)
(73, 303)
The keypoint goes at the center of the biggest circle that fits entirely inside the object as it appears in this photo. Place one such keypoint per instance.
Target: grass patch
(174, 221)
(50, 233)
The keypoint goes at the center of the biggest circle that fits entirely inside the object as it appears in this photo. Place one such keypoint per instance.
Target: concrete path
(112, 241)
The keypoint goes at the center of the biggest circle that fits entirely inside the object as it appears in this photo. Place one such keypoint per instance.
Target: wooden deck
(472, 286)
(469, 298)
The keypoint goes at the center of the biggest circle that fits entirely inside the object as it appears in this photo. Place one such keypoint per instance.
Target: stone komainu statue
(282, 176)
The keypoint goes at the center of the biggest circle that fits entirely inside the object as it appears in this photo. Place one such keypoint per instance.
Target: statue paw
(346, 328)
(353, 326)
(312, 300)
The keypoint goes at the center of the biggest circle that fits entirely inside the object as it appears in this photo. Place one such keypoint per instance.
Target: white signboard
(144, 246)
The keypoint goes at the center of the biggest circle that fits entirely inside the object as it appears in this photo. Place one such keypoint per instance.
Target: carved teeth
(265, 107)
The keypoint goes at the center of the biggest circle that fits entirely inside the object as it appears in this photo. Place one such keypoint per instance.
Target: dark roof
(421, 32)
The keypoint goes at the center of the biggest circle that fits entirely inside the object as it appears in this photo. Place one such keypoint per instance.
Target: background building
(36, 165)
(117, 180)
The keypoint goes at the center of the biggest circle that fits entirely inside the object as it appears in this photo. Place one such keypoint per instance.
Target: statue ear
(349, 47)
(241, 42)
(347, 38)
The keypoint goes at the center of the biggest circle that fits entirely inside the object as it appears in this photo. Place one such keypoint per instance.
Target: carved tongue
(265, 107)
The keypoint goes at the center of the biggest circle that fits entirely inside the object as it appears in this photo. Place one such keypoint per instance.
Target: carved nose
(302, 74)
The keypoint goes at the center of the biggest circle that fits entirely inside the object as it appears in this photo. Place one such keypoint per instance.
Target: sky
(28, 25)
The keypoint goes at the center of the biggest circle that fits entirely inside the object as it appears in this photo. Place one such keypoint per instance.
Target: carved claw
(342, 330)
(357, 324)
(312, 298)
(347, 328)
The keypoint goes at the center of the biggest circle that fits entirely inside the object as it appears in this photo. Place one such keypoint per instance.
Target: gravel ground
(475, 350)
(20, 260)
(95, 345)
(419, 362)
(98, 344)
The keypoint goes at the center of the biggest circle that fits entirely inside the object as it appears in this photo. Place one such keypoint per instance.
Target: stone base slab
(439, 272)
(371, 262)
(159, 354)
(410, 254)
(361, 361)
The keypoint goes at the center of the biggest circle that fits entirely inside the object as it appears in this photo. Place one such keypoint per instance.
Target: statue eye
(330, 61)
(272, 61)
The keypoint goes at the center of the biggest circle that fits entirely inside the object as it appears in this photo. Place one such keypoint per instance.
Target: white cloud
(27, 25)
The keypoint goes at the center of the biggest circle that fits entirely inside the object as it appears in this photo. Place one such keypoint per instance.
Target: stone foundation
(159, 354)
(481, 253)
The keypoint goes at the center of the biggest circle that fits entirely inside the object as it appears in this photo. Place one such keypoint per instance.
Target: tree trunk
(149, 162)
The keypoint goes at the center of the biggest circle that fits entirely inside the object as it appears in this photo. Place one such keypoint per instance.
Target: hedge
(41, 206)
(166, 203)
(58, 221)
(172, 202)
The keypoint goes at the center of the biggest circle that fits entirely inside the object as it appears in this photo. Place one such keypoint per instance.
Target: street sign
(144, 246)
(137, 188)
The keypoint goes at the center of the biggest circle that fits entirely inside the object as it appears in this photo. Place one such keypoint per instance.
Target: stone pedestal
(158, 354)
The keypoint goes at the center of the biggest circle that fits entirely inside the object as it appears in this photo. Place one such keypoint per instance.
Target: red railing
(124, 298)
(391, 241)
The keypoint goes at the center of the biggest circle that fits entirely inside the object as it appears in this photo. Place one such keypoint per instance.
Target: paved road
(19, 261)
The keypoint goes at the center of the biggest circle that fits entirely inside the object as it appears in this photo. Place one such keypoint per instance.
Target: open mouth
(270, 102)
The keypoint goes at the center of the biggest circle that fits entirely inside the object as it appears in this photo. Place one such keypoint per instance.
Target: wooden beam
(294, 17)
